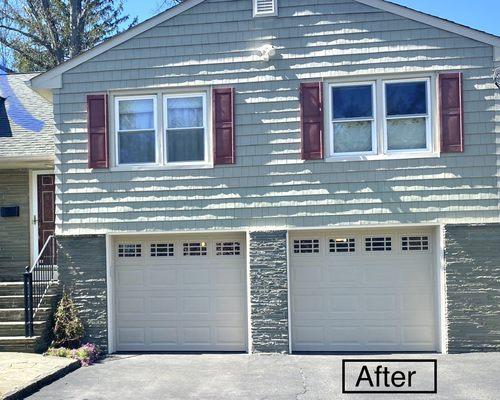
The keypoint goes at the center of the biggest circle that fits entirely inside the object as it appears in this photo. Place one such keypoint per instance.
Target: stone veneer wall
(473, 285)
(269, 291)
(82, 271)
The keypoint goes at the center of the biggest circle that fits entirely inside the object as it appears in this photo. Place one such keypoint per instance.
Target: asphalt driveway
(467, 376)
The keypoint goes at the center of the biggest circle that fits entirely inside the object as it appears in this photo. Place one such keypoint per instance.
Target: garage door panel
(229, 304)
(343, 275)
(361, 300)
(162, 277)
(191, 303)
(343, 303)
(131, 277)
(164, 335)
(381, 303)
(418, 335)
(231, 335)
(163, 304)
(229, 276)
(383, 335)
(131, 336)
(195, 276)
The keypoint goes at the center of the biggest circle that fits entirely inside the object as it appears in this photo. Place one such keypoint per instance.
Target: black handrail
(37, 281)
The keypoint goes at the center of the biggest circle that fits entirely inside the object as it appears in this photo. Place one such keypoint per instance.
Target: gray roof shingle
(30, 118)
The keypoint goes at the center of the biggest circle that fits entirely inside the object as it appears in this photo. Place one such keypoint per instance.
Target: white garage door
(370, 291)
(180, 293)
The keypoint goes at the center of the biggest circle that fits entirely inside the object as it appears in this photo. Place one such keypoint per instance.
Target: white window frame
(205, 127)
(428, 116)
(117, 129)
(161, 153)
(433, 145)
(373, 119)
(266, 14)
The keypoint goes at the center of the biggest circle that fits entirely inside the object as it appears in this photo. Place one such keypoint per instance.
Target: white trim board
(52, 79)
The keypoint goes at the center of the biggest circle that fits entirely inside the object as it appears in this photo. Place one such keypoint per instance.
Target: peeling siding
(212, 44)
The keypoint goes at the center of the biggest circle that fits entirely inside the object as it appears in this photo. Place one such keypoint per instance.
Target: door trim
(33, 202)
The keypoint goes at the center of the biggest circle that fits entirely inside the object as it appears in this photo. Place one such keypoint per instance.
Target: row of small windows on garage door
(380, 243)
(185, 249)
(348, 245)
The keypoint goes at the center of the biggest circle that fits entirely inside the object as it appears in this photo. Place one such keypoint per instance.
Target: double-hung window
(384, 118)
(136, 130)
(407, 118)
(353, 119)
(162, 130)
(185, 128)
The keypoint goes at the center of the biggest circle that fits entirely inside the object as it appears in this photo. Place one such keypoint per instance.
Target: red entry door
(46, 209)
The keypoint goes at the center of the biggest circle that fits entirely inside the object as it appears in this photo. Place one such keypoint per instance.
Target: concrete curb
(38, 384)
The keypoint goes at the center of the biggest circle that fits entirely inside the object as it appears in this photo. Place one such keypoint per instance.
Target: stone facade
(473, 286)
(14, 231)
(82, 271)
(269, 291)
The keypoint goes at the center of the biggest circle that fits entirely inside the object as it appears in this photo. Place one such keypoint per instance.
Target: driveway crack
(304, 384)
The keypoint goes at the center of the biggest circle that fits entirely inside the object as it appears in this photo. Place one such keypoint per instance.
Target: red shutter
(451, 109)
(97, 126)
(311, 120)
(223, 121)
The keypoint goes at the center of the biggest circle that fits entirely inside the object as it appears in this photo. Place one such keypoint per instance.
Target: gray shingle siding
(473, 287)
(213, 44)
(14, 231)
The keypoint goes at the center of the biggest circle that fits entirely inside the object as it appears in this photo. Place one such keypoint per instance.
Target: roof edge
(437, 22)
(52, 79)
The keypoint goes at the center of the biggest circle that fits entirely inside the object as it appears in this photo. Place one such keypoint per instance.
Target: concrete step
(18, 344)
(17, 301)
(11, 288)
(17, 288)
(17, 314)
(17, 328)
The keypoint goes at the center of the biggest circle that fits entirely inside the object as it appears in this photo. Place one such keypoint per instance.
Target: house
(27, 199)
(281, 176)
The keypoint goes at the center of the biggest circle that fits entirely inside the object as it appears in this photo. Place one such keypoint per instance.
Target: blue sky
(479, 14)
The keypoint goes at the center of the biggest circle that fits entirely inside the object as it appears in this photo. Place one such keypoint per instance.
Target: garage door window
(415, 243)
(195, 249)
(306, 246)
(162, 250)
(378, 243)
(228, 248)
(342, 245)
(129, 250)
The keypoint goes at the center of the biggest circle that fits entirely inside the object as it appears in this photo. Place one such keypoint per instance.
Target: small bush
(88, 354)
(68, 328)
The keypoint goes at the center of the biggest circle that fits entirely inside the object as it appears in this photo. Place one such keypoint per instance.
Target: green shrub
(68, 328)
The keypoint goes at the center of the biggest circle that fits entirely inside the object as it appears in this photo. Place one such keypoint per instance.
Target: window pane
(406, 98)
(186, 145)
(405, 134)
(137, 147)
(350, 137)
(136, 114)
(352, 102)
(185, 112)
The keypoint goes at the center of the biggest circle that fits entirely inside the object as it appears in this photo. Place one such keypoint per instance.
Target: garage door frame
(110, 276)
(439, 269)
